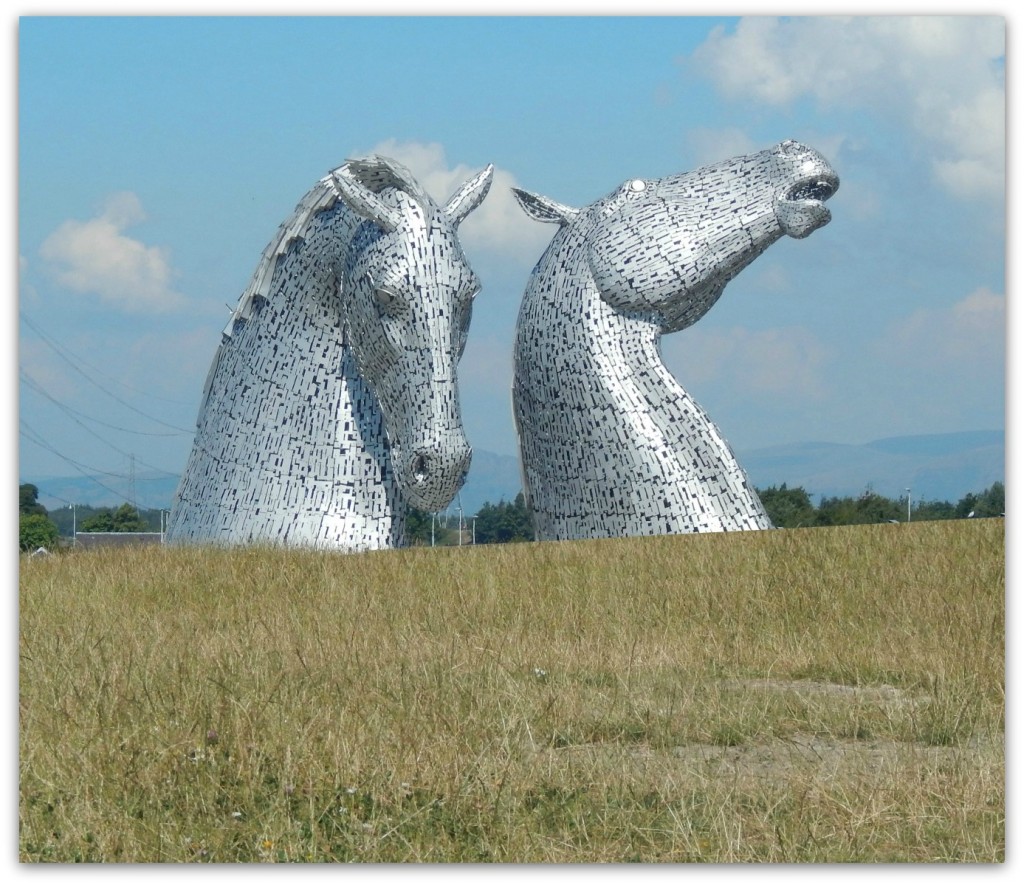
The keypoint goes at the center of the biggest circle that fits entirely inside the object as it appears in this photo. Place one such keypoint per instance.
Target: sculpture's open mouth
(817, 189)
(801, 209)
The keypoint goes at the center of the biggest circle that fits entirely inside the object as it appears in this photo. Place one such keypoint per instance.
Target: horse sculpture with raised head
(332, 402)
(610, 443)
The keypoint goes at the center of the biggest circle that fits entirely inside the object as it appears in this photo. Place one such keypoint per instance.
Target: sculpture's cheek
(635, 271)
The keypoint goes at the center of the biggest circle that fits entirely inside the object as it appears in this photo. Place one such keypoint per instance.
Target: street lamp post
(908, 505)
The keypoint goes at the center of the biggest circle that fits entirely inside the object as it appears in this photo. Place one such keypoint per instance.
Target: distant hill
(492, 478)
(58, 491)
(936, 467)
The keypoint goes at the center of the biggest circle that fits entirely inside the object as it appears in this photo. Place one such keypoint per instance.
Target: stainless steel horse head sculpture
(332, 403)
(610, 443)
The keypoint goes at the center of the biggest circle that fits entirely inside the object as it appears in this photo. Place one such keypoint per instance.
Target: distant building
(92, 540)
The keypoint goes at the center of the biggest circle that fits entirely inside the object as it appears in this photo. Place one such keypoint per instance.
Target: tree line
(512, 521)
(792, 508)
(787, 508)
(39, 527)
(501, 523)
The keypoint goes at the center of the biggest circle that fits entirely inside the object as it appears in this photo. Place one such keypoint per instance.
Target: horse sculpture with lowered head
(610, 443)
(332, 402)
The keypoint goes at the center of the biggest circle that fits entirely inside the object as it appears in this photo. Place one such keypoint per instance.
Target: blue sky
(156, 157)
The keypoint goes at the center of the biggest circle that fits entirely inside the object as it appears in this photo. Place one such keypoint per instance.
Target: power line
(64, 500)
(56, 349)
(115, 448)
(70, 356)
(38, 388)
(33, 436)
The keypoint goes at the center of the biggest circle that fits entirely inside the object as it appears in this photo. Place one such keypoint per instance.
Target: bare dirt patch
(802, 756)
(882, 694)
(822, 756)
(818, 758)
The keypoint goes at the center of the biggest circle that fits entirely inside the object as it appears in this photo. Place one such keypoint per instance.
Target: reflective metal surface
(332, 402)
(611, 444)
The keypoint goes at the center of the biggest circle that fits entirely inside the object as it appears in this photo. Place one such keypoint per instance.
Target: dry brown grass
(804, 695)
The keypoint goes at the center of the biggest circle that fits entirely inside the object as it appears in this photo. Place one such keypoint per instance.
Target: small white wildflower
(539, 673)
(350, 790)
(237, 815)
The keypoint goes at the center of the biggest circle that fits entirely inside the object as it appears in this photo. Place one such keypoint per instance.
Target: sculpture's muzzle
(432, 473)
(804, 180)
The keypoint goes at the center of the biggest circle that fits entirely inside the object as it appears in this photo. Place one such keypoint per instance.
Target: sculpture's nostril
(421, 468)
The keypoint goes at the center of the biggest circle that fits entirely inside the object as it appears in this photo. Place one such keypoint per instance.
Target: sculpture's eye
(389, 300)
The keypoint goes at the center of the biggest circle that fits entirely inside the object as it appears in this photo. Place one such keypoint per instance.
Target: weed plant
(818, 695)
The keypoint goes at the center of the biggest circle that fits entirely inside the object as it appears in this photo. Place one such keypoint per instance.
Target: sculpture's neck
(367, 509)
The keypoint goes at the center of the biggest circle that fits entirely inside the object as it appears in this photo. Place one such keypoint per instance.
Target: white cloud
(96, 257)
(942, 75)
(943, 367)
(25, 289)
(172, 363)
(498, 225)
(966, 338)
(712, 145)
(44, 367)
(782, 363)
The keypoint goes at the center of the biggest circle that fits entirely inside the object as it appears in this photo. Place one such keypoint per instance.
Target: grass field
(803, 695)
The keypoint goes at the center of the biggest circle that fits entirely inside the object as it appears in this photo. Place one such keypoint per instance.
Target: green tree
(991, 502)
(125, 519)
(787, 508)
(101, 521)
(869, 507)
(417, 527)
(423, 528)
(28, 502)
(36, 530)
(927, 510)
(503, 522)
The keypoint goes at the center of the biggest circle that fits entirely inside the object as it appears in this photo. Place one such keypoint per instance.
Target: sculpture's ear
(469, 196)
(544, 208)
(358, 197)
